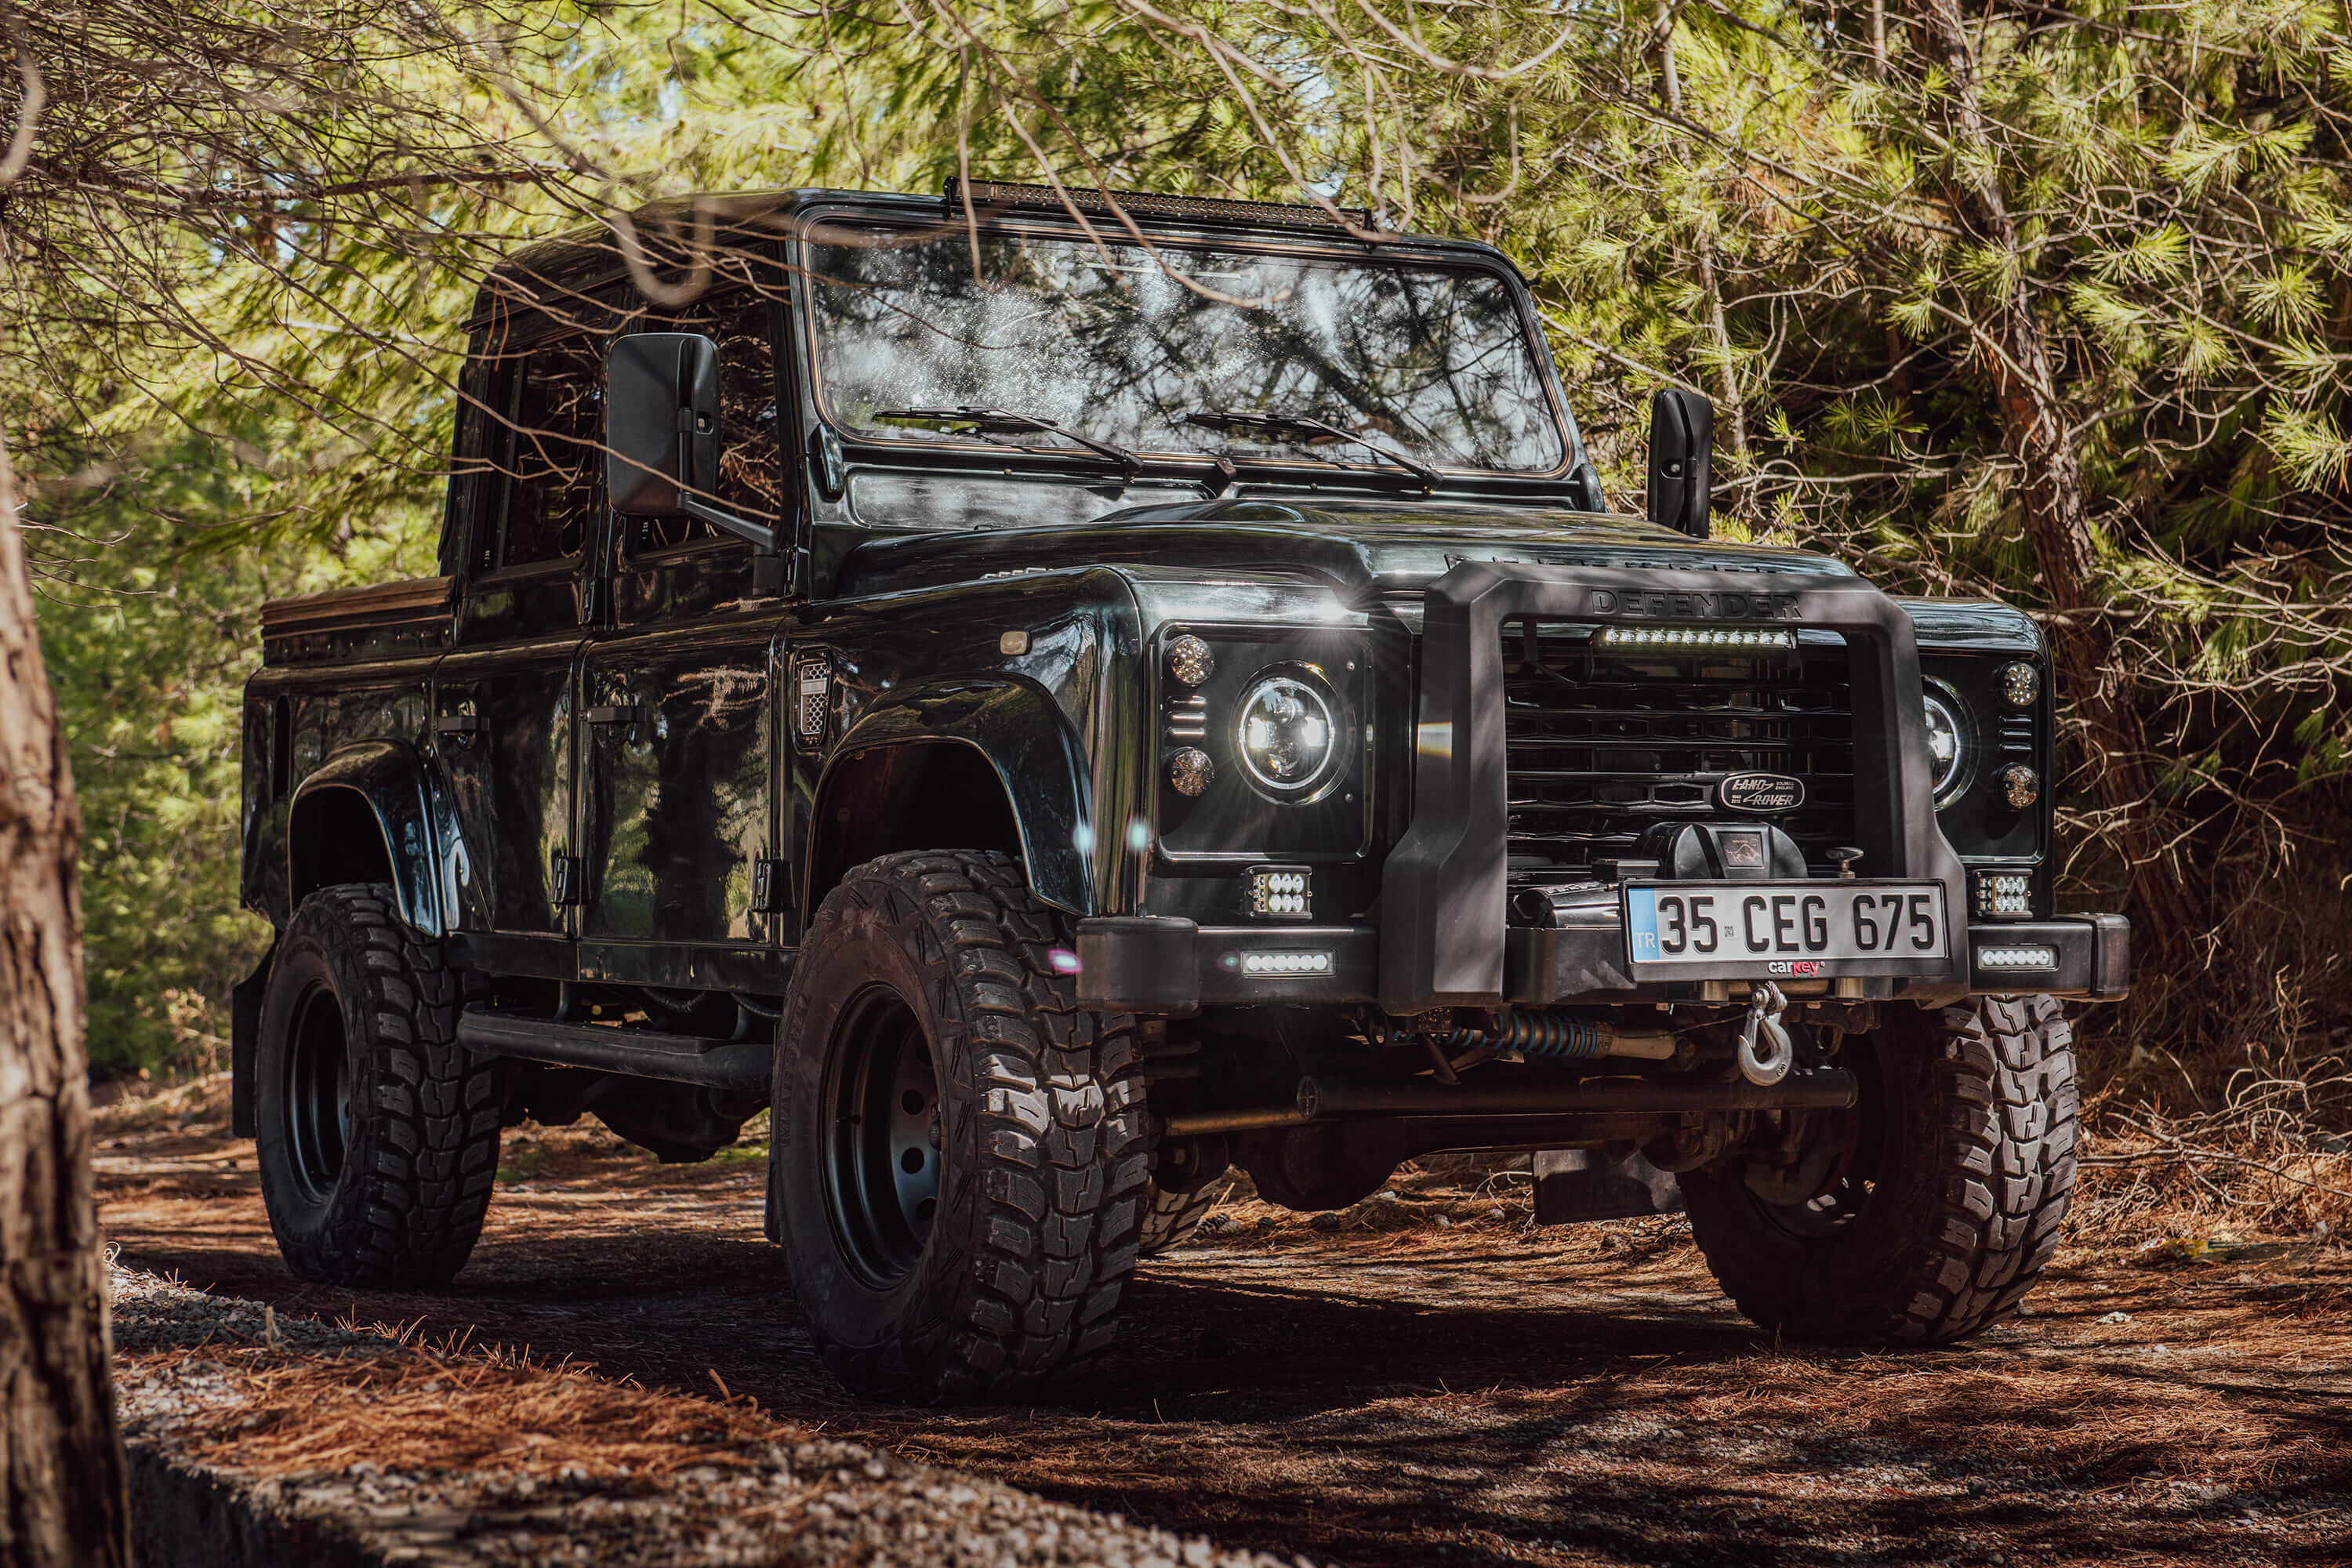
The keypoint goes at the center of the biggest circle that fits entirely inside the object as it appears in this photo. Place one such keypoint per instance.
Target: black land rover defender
(1055, 702)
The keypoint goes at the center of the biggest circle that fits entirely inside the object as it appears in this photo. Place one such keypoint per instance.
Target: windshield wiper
(992, 423)
(1300, 425)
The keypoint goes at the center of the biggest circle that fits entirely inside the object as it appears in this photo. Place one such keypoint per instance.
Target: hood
(1358, 546)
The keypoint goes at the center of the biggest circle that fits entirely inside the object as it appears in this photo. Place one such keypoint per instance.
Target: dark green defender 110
(1054, 698)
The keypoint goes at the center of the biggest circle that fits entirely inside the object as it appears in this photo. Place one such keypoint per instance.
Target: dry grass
(450, 1411)
(1367, 1387)
(2270, 1157)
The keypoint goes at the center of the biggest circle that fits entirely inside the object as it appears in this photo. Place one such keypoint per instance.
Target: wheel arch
(362, 816)
(990, 766)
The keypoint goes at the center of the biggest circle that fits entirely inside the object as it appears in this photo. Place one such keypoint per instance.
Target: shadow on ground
(1402, 1391)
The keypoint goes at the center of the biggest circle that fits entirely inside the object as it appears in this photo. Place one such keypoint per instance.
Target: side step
(738, 1066)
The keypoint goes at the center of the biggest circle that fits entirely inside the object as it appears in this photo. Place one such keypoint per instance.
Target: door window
(555, 442)
(751, 468)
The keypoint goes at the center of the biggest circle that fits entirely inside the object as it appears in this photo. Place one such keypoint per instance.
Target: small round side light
(2021, 684)
(1190, 772)
(1190, 660)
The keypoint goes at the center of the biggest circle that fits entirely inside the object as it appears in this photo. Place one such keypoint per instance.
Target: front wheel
(1927, 1211)
(961, 1151)
(377, 1132)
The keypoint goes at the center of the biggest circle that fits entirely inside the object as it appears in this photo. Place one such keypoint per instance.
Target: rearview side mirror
(662, 439)
(1682, 443)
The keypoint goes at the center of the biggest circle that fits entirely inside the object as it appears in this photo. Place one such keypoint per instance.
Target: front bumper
(1440, 935)
(1175, 968)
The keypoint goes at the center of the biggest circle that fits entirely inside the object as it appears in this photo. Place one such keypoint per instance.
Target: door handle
(634, 713)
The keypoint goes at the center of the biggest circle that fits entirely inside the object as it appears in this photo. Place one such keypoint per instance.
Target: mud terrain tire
(1948, 1201)
(961, 1151)
(377, 1132)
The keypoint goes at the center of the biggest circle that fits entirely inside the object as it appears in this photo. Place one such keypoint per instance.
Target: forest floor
(1425, 1379)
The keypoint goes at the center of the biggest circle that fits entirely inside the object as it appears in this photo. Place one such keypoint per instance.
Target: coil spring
(1534, 1035)
(1549, 1034)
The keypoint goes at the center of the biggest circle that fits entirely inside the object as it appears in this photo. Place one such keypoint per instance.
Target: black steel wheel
(317, 1091)
(377, 1133)
(1926, 1212)
(882, 1135)
(961, 1151)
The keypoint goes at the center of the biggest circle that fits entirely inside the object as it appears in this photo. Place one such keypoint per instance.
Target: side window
(556, 440)
(750, 472)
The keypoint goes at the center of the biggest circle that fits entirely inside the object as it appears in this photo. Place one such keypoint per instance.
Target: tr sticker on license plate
(1786, 928)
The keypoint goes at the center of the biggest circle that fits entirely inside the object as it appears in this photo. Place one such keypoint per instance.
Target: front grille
(1603, 742)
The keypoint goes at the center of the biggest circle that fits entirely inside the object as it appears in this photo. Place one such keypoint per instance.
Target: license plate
(1746, 930)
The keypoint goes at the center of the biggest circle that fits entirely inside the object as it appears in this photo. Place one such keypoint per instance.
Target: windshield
(1431, 362)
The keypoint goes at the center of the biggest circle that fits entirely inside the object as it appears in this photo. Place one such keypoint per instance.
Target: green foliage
(149, 629)
(1749, 199)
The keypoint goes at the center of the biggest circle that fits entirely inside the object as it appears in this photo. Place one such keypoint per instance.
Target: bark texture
(1730, 409)
(60, 1454)
(2033, 425)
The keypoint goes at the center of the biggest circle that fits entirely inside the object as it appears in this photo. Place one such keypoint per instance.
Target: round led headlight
(1947, 747)
(1287, 736)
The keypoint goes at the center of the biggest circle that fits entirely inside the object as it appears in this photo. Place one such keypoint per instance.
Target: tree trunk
(1729, 406)
(62, 1457)
(2010, 343)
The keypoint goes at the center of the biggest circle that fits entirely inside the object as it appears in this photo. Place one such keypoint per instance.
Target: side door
(685, 885)
(504, 726)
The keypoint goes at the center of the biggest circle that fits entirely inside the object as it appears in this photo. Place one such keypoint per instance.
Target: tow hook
(1766, 1061)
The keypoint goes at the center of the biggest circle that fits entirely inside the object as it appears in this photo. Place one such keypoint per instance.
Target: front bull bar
(1443, 891)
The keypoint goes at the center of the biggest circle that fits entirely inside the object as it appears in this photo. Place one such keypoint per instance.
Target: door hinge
(461, 728)
(568, 879)
(770, 886)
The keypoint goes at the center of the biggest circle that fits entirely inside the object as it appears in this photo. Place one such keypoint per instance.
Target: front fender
(1034, 752)
(390, 777)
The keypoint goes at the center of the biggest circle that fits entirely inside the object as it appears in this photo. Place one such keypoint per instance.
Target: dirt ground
(1428, 1378)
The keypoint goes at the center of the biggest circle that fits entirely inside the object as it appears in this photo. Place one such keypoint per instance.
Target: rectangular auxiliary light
(1698, 636)
(2004, 895)
(1281, 894)
(2017, 958)
(1285, 964)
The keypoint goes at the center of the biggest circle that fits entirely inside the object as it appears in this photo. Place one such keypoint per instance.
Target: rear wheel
(960, 1152)
(377, 1134)
(1927, 1211)
(1170, 1216)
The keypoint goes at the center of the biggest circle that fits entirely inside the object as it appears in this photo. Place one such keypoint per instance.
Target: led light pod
(2004, 895)
(1280, 892)
(1696, 637)
(1271, 965)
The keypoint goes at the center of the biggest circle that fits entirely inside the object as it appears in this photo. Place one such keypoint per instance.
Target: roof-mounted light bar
(1698, 636)
(997, 195)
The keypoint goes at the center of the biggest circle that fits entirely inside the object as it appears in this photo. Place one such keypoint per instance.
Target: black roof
(585, 258)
